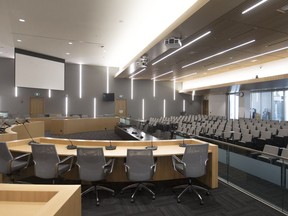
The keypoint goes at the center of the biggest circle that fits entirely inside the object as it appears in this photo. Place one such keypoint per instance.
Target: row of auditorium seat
(250, 133)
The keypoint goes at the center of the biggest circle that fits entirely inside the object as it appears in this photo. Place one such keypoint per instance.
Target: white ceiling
(103, 32)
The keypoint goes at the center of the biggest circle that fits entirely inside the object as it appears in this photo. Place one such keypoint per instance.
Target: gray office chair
(47, 164)
(140, 167)
(93, 168)
(10, 165)
(192, 165)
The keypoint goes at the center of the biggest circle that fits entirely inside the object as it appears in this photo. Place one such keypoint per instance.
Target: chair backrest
(5, 158)
(139, 162)
(91, 162)
(195, 157)
(271, 149)
(284, 152)
(45, 158)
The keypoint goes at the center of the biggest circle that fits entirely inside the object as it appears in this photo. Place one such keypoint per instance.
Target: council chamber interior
(219, 84)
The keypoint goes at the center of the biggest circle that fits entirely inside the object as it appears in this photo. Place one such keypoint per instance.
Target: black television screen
(108, 97)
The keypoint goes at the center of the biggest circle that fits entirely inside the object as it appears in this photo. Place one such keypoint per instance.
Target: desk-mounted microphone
(183, 144)
(71, 146)
(32, 140)
(110, 147)
(152, 147)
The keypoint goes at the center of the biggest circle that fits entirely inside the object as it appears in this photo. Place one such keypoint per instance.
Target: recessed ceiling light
(254, 60)
(67, 53)
(21, 20)
(70, 43)
(19, 40)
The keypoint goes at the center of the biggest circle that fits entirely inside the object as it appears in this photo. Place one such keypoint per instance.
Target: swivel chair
(140, 168)
(192, 165)
(10, 165)
(93, 168)
(47, 164)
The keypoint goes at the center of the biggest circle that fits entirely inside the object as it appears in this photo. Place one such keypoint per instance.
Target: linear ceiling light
(255, 56)
(219, 53)
(177, 50)
(162, 75)
(137, 73)
(176, 78)
(254, 6)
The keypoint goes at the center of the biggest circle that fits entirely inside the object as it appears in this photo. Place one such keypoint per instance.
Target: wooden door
(36, 106)
(205, 106)
(121, 107)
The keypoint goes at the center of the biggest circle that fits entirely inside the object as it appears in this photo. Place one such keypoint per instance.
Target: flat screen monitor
(108, 97)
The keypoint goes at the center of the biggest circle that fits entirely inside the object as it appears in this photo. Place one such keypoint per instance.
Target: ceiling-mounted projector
(142, 62)
(173, 43)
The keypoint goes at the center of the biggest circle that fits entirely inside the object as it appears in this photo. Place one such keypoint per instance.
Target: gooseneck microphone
(32, 140)
(183, 144)
(71, 146)
(152, 147)
(110, 147)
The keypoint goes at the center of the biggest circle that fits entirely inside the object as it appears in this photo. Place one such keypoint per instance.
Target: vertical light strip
(174, 89)
(143, 109)
(16, 91)
(80, 81)
(154, 88)
(94, 107)
(107, 80)
(164, 108)
(193, 94)
(184, 106)
(49, 93)
(66, 105)
(132, 89)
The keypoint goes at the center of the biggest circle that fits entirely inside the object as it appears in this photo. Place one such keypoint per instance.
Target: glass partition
(262, 175)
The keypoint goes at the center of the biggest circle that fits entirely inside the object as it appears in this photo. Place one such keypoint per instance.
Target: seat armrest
(176, 160)
(28, 155)
(109, 165)
(65, 160)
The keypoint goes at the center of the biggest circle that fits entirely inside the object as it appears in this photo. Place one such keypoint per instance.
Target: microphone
(32, 140)
(183, 144)
(110, 147)
(71, 146)
(152, 147)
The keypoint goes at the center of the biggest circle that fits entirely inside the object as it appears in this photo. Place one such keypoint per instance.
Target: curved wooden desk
(166, 148)
(36, 129)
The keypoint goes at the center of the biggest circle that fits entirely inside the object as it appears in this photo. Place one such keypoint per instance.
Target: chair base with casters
(96, 188)
(190, 187)
(139, 187)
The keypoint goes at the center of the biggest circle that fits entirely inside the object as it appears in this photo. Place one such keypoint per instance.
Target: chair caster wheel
(178, 200)
(207, 193)
(121, 192)
(153, 197)
(97, 203)
(113, 194)
(132, 200)
(201, 202)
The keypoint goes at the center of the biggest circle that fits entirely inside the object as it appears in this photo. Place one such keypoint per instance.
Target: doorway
(121, 107)
(37, 106)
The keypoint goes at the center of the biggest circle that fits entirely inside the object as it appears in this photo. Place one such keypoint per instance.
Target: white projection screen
(34, 70)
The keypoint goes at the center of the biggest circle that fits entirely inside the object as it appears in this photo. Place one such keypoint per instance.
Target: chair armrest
(22, 156)
(110, 165)
(126, 167)
(28, 155)
(65, 160)
(176, 160)
(153, 167)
